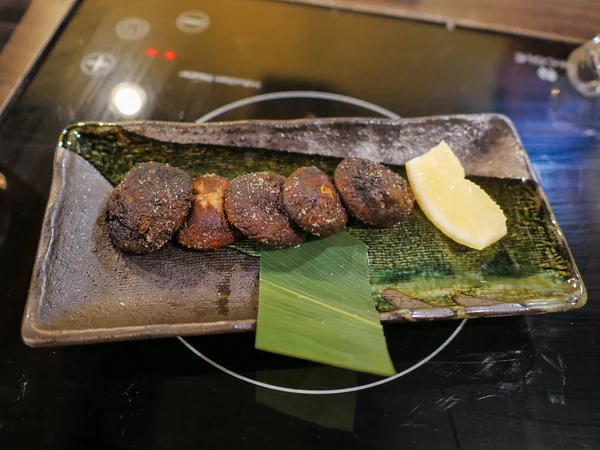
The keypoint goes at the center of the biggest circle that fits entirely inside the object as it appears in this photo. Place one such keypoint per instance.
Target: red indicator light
(151, 52)
(169, 54)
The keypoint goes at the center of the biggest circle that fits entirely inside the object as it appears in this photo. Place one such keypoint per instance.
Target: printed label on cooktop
(219, 79)
(546, 65)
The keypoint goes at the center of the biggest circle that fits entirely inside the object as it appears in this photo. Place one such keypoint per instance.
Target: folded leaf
(315, 303)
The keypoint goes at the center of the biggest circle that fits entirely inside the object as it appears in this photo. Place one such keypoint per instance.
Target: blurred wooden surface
(565, 20)
(11, 13)
(28, 40)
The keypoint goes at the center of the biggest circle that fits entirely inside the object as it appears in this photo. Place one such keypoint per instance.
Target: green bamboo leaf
(315, 303)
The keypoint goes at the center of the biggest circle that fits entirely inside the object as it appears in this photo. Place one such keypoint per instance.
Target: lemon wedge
(458, 207)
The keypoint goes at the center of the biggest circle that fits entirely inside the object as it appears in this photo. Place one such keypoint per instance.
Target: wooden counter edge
(30, 38)
(414, 13)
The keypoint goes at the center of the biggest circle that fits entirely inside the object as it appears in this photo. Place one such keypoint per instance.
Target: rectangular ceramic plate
(83, 291)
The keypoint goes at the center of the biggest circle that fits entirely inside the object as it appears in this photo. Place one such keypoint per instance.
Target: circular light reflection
(128, 98)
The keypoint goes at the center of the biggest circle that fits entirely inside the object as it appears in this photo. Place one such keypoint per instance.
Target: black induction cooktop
(505, 383)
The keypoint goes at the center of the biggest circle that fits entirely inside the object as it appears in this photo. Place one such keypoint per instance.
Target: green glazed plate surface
(84, 291)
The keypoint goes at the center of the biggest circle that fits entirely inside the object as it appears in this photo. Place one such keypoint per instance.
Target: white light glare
(128, 98)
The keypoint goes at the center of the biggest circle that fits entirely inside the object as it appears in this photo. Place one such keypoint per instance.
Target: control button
(192, 22)
(132, 28)
(97, 64)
